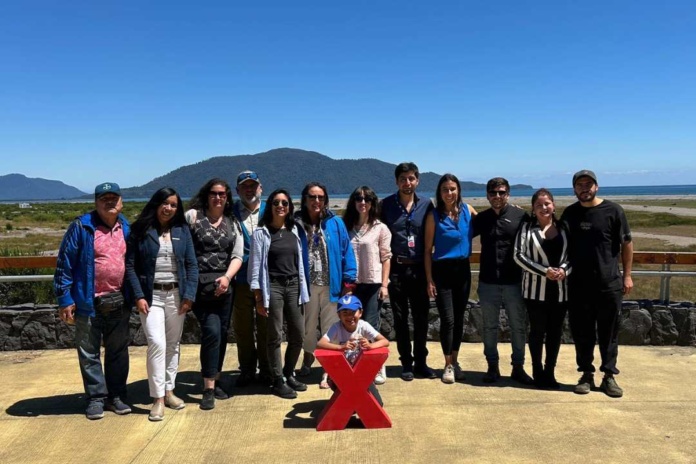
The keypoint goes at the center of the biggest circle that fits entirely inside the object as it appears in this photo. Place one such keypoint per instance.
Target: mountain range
(282, 167)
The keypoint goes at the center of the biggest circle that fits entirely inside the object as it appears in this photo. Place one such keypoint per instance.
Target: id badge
(411, 241)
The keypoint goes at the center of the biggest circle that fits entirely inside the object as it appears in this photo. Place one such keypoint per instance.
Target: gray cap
(107, 187)
(584, 173)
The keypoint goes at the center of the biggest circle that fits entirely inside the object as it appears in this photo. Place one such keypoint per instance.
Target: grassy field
(39, 230)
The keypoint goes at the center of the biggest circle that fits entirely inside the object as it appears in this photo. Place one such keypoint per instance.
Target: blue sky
(528, 90)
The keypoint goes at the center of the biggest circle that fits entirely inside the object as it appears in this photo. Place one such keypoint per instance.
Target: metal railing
(663, 259)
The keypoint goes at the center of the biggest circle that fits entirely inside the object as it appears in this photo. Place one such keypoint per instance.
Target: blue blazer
(141, 257)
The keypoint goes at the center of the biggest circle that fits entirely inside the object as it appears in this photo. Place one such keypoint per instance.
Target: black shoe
(219, 392)
(540, 380)
(519, 375)
(492, 374)
(208, 400)
(610, 387)
(265, 379)
(550, 377)
(407, 374)
(296, 385)
(244, 380)
(425, 372)
(281, 389)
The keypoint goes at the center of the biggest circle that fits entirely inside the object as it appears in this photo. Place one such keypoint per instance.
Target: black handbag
(207, 286)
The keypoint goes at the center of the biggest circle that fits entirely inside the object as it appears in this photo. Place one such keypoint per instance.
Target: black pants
(214, 318)
(594, 317)
(407, 288)
(545, 328)
(453, 283)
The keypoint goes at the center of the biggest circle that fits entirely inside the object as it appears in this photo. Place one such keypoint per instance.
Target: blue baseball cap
(247, 175)
(348, 302)
(107, 187)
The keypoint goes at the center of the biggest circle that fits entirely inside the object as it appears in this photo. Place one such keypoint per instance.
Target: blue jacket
(141, 257)
(258, 263)
(342, 265)
(241, 276)
(73, 281)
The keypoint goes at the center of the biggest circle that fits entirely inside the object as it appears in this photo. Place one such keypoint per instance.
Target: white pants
(163, 326)
(318, 310)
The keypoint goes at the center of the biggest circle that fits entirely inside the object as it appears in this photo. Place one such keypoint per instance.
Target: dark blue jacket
(141, 258)
(73, 281)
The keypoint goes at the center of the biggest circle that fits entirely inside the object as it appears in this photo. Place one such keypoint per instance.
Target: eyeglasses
(316, 197)
(497, 193)
(217, 194)
(360, 199)
(284, 203)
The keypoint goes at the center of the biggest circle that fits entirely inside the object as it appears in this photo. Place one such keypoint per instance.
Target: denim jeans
(368, 294)
(284, 305)
(113, 329)
(491, 298)
(453, 283)
(214, 318)
(407, 288)
(594, 316)
(250, 330)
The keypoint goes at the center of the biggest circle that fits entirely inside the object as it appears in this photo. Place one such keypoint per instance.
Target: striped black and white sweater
(530, 256)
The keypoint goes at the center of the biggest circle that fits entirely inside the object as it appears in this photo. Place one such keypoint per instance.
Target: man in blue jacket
(88, 284)
(251, 350)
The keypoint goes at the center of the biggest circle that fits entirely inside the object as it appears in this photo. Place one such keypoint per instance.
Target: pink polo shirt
(109, 259)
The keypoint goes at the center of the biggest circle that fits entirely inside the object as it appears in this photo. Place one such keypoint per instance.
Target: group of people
(259, 265)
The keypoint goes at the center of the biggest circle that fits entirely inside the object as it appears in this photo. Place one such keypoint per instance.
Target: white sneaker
(381, 376)
(448, 374)
(458, 372)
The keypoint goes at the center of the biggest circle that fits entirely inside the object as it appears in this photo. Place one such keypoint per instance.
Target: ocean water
(634, 190)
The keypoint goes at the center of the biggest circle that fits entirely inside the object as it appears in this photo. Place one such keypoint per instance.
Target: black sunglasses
(361, 198)
(316, 197)
(217, 194)
(280, 203)
(497, 193)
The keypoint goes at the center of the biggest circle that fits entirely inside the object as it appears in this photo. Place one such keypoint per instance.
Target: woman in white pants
(162, 272)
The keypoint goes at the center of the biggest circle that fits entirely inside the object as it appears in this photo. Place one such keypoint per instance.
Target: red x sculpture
(351, 394)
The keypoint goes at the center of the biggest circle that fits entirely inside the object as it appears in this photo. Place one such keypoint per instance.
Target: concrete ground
(42, 417)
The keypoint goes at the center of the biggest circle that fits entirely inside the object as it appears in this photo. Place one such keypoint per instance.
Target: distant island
(289, 168)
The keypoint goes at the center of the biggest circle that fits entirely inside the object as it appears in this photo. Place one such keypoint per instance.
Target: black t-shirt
(595, 236)
(498, 233)
(282, 254)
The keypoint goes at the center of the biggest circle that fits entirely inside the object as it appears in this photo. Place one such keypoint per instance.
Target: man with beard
(251, 350)
(598, 236)
(404, 213)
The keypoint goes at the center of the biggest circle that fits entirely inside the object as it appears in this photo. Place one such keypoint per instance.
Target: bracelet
(228, 277)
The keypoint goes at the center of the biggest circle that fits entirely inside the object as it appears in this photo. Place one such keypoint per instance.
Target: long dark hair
(351, 215)
(540, 193)
(439, 202)
(200, 200)
(148, 216)
(267, 218)
(304, 214)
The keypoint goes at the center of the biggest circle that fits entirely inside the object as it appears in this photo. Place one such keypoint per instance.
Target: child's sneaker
(381, 376)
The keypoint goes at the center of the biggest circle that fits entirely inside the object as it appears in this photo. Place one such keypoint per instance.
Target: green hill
(292, 169)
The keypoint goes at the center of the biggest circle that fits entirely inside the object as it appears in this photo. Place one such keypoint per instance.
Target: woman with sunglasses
(162, 272)
(278, 277)
(448, 235)
(371, 241)
(219, 250)
(541, 250)
(332, 269)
